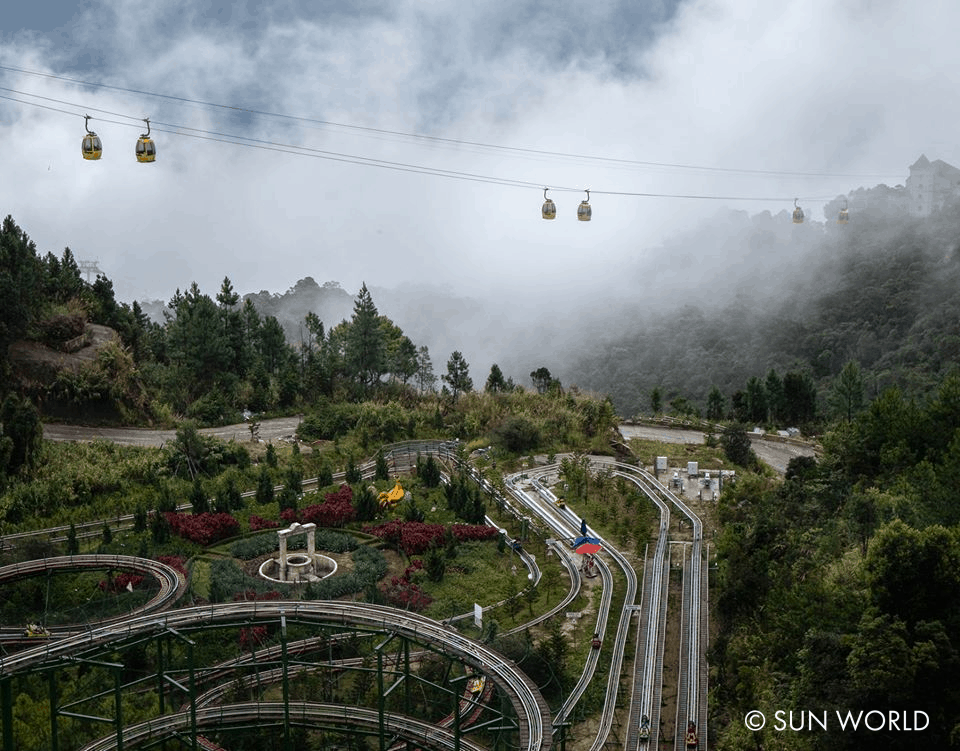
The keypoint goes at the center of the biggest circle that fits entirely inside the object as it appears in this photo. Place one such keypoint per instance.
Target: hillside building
(931, 185)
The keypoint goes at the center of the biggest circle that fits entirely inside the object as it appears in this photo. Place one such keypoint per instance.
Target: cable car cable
(237, 140)
(451, 141)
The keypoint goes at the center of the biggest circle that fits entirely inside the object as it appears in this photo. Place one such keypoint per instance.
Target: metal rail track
(272, 714)
(172, 585)
(692, 678)
(533, 715)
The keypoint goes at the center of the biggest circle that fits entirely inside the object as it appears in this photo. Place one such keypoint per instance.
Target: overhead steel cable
(238, 140)
(457, 141)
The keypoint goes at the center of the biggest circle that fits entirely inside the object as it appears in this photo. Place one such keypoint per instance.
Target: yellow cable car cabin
(844, 216)
(146, 149)
(584, 212)
(797, 213)
(549, 210)
(91, 146)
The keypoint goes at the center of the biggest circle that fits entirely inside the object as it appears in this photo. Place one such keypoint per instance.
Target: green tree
(365, 502)
(776, 402)
(324, 474)
(196, 341)
(401, 353)
(382, 471)
(736, 445)
(756, 401)
(541, 379)
(352, 473)
(140, 519)
(517, 434)
(495, 381)
(428, 471)
(846, 398)
(188, 451)
(716, 404)
(435, 563)
(73, 546)
(21, 425)
(800, 398)
(199, 501)
(21, 279)
(159, 528)
(656, 400)
(264, 486)
(457, 376)
(366, 349)
(426, 380)
(273, 344)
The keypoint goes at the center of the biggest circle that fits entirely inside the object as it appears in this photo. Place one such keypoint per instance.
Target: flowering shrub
(336, 510)
(203, 529)
(402, 592)
(414, 538)
(258, 522)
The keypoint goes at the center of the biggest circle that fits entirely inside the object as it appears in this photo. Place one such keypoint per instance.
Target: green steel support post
(380, 700)
(286, 684)
(160, 687)
(193, 698)
(118, 705)
(456, 720)
(54, 739)
(406, 677)
(6, 699)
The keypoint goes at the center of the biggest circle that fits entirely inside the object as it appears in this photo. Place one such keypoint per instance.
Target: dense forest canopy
(883, 290)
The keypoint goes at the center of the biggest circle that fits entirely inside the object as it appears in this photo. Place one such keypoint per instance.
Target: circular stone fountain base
(300, 568)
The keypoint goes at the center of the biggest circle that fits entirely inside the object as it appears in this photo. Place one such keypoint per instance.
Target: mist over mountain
(728, 297)
(883, 290)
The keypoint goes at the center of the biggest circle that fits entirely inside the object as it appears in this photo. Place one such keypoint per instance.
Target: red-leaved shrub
(203, 529)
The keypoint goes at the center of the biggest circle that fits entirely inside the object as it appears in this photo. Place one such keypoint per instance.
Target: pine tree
(382, 470)
(198, 497)
(426, 380)
(264, 487)
(457, 376)
(495, 381)
(366, 350)
(73, 546)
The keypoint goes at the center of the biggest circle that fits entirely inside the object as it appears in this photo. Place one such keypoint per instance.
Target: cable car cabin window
(92, 147)
(146, 150)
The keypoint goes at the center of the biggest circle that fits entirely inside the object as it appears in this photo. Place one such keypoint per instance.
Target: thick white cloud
(815, 87)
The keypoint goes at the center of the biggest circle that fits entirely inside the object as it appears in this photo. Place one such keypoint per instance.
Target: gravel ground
(774, 453)
(273, 429)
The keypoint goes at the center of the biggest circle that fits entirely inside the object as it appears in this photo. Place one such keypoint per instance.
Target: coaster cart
(589, 567)
(596, 642)
(35, 631)
(692, 741)
(644, 729)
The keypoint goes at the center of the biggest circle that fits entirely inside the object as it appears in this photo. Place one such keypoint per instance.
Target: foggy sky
(852, 92)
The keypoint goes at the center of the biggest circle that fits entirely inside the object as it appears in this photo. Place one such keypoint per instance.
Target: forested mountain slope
(882, 290)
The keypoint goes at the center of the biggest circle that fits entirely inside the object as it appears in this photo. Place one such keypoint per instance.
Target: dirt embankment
(36, 364)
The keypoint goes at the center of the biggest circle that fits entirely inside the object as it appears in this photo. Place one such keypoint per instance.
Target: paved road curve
(270, 430)
(777, 455)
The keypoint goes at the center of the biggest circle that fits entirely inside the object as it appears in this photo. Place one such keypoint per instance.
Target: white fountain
(293, 568)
